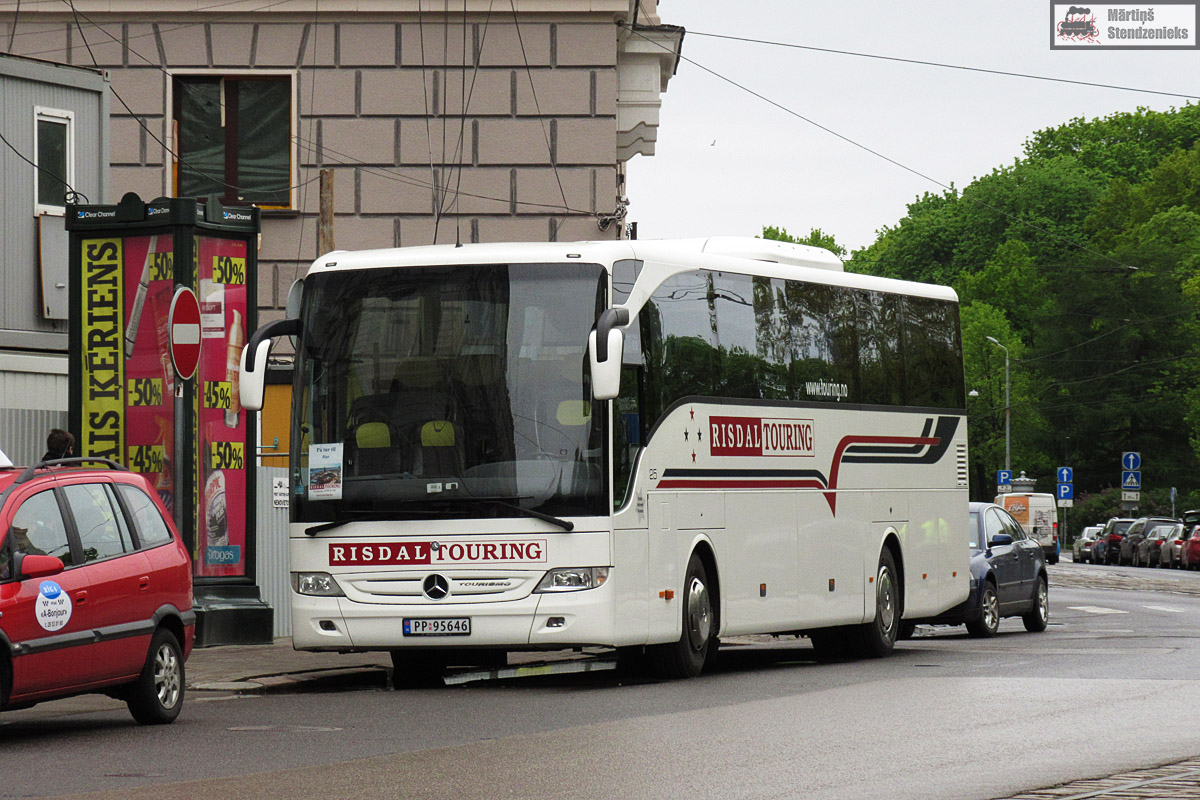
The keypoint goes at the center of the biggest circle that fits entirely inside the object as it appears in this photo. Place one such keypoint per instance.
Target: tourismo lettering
(103, 360)
(753, 436)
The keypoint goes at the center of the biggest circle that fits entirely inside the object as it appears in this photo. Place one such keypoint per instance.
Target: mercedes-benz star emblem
(436, 586)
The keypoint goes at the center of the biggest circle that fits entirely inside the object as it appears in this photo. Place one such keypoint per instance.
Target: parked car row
(1008, 577)
(1141, 542)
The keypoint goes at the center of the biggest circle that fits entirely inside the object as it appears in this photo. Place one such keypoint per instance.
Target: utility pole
(325, 223)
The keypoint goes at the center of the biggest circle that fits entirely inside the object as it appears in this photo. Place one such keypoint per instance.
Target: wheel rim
(699, 614)
(885, 601)
(167, 682)
(991, 609)
(1043, 602)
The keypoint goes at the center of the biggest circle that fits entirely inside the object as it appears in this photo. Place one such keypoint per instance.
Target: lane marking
(1166, 608)
(1096, 610)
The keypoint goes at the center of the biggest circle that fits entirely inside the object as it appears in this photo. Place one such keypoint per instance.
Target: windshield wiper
(566, 525)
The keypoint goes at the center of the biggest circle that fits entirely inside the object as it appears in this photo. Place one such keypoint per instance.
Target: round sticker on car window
(53, 606)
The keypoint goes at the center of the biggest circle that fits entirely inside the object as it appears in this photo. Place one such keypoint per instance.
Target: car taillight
(1113, 538)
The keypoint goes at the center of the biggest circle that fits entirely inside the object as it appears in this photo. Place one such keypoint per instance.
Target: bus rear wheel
(877, 637)
(685, 658)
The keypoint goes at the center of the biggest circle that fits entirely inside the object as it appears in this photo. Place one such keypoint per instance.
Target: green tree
(816, 238)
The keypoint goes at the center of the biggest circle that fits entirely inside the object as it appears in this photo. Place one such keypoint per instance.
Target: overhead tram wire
(922, 63)
(536, 105)
(387, 174)
(876, 153)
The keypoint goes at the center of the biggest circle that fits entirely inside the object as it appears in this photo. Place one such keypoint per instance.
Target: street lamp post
(1007, 408)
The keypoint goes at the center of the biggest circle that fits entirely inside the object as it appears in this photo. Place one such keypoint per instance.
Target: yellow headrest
(373, 434)
(574, 412)
(438, 433)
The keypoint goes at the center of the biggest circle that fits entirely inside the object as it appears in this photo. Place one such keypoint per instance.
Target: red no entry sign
(183, 322)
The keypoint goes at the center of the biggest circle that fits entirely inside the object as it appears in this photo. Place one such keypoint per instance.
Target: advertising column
(190, 438)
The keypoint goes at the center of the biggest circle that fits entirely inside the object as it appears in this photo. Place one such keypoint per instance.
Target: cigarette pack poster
(149, 379)
(222, 453)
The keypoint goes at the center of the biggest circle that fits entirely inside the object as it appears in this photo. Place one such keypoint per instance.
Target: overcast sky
(729, 163)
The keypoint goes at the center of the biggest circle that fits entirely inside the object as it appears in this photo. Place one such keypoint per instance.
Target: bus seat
(440, 452)
(574, 412)
(374, 449)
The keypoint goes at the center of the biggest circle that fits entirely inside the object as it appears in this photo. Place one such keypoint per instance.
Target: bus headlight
(318, 584)
(573, 579)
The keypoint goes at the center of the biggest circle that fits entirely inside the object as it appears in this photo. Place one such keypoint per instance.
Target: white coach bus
(645, 445)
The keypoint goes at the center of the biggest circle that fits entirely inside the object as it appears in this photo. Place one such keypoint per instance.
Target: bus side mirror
(252, 375)
(606, 348)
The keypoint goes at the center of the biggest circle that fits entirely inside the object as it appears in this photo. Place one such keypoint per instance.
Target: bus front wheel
(685, 658)
(877, 637)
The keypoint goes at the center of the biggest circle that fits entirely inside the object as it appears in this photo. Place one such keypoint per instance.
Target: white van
(1038, 514)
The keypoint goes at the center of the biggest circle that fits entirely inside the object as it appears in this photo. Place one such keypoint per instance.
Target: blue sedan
(1008, 577)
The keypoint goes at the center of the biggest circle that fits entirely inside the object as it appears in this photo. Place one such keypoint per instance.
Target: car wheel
(156, 697)
(685, 658)
(877, 638)
(1039, 616)
(989, 614)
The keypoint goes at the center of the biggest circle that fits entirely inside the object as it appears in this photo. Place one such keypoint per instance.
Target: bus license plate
(452, 626)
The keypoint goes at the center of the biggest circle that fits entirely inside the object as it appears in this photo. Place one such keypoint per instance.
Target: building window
(53, 146)
(234, 138)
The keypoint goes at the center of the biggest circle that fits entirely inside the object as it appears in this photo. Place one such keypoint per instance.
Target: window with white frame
(53, 153)
(234, 137)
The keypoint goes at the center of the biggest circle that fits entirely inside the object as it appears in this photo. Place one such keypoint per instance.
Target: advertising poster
(221, 422)
(149, 379)
(102, 402)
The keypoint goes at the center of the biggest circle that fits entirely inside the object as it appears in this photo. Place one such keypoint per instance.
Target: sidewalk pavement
(253, 667)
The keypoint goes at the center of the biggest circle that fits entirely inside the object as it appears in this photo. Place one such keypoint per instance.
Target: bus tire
(685, 658)
(877, 637)
(417, 669)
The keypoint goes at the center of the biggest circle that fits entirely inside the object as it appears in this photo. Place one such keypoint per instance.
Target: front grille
(465, 587)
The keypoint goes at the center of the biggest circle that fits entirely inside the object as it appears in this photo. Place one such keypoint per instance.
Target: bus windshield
(458, 391)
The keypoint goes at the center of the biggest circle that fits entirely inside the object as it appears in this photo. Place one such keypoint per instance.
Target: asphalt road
(1112, 685)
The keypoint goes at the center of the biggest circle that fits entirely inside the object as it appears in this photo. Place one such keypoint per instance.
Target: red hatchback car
(1189, 553)
(95, 589)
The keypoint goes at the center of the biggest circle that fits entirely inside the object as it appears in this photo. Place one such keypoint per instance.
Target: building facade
(478, 120)
(54, 124)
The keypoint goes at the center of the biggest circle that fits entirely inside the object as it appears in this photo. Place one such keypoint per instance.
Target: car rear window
(151, 529)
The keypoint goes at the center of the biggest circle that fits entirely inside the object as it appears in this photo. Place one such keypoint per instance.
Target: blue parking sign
(1004, 477)
(1066, 491)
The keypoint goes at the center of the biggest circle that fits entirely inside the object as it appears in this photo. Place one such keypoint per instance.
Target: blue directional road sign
(1131, 480)
(1066, 491)
(1065, 475)
(1004, 477)
(1131, 461)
